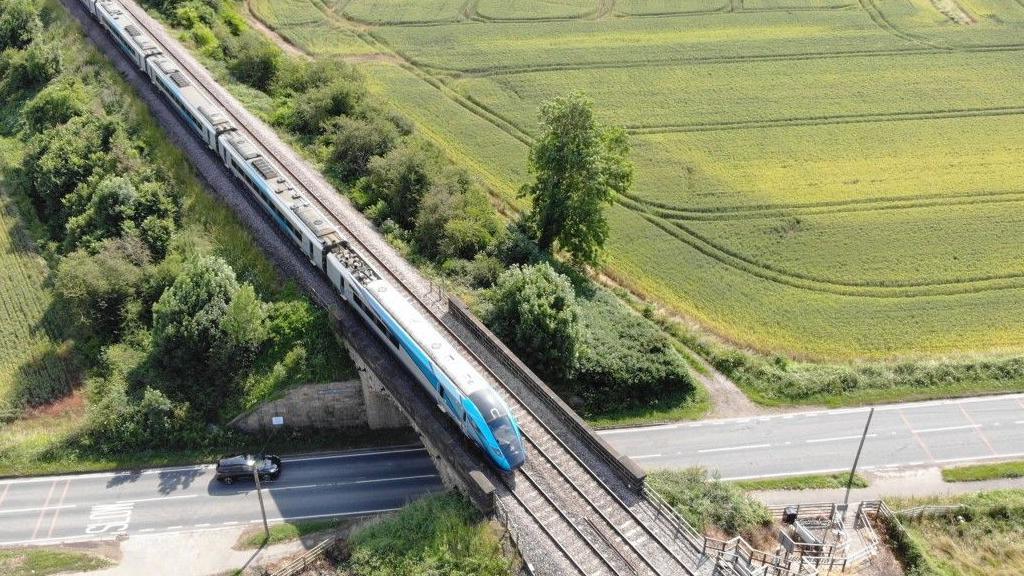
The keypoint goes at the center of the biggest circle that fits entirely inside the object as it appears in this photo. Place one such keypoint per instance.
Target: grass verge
(805, 482)
(43, 561)
(982, 536)
(288, 531)
(976, 472)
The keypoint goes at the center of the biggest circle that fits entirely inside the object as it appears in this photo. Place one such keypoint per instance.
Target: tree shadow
(171, 480)
(125, 478)
(49, 374)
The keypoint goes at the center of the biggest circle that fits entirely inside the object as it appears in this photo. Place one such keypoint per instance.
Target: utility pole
(849, 481)
(259, 493)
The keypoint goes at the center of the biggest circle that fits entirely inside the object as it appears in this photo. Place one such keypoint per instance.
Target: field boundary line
(745, 264)
(827, 120)
(788, 209)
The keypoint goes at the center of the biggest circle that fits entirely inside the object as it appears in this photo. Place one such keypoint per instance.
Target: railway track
(584, 519)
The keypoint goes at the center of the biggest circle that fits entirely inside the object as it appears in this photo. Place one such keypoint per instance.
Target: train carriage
(127, 33)
(458, 388)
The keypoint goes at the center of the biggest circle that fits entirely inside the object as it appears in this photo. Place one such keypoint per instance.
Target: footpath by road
(910, 435)
(187, 499)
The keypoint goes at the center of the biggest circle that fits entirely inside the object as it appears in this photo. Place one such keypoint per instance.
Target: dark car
(241, 467)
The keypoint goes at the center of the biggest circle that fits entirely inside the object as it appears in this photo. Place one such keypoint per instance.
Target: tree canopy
(534, 310)
(579, 165)
(206, 328)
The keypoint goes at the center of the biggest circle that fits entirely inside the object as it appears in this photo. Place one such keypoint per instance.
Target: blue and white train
(458, 388)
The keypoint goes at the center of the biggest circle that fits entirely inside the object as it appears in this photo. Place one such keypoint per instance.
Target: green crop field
(830, 179)
(33, 358)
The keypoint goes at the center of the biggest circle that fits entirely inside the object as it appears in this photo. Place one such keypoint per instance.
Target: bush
(437, 535)
(455, 220)
(624, 360)
(516, 245)
(32, 66)
(53, 105)
(252, 59)
(309, 112)
(60, 159)
(710, 503)
(19, 22)
(352, 142)
(534, 311)
(206, 330)
(97, 289)
(398, 180)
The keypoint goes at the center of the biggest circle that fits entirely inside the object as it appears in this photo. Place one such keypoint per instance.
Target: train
(458, 388)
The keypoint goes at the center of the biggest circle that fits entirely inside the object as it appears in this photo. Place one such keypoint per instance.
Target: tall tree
(579, 165)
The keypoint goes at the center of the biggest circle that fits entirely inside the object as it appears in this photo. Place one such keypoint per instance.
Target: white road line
(836, 412)
(644, 428)
(202, 525)
(973, 458)
(732, 448)
(148, 530)
(645, 456)
(946, 428)
(150, 471)
(839, 438)
(42, 508)
(282, 488)
(1019, 422)
(230, 522)
(160, 499)
(785, 474)
(353, 455)
(174, 527)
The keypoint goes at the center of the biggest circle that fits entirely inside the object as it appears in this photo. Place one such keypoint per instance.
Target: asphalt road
(901, 435)
(52, 509)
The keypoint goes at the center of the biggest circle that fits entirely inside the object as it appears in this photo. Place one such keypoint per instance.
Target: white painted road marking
(109, 518)
(839, 438)
(160, 499)
(946, 428)
(646, 456)
(733, 448)
(40, 509)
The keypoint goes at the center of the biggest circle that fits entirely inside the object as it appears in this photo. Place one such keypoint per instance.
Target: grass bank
(982, 536)
(45, 561)
(806, 482)
(976, 472)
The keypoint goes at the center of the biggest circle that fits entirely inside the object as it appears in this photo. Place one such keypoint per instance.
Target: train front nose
(514, 453)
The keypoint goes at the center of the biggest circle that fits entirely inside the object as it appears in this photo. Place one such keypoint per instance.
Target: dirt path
(281, 41)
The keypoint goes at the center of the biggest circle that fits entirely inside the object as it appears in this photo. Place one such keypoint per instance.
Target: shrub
(399, 179)
(98, 288)
(624, 360)
(534, 311)
(59, 159)
(309, 111)
(53, 105)
(19, 22)
(206, 329)
(352, 142)
(252, 59)
(709, 503)
(455, 220)
(437, 535)
(32, 66)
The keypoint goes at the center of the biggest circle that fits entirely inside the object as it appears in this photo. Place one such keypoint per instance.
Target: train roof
(462, 374)
(131, 29)
(296, 201)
